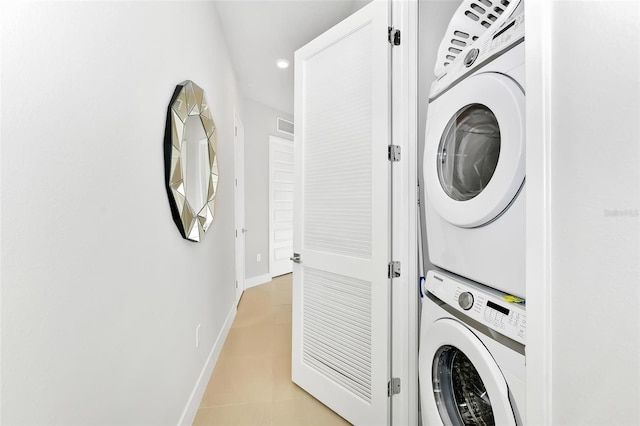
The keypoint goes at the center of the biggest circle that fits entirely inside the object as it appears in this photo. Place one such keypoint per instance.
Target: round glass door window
(468, 152)
(460, 394)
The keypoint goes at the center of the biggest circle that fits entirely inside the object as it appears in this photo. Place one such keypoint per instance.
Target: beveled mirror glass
(191, 167)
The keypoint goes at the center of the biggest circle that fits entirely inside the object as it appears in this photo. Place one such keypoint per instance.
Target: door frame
(539, 116)
(273, 139)
(405, 291)
(239, 206)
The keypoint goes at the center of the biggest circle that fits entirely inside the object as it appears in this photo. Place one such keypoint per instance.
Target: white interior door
(280, 206)
(238, 153)
(341, 314)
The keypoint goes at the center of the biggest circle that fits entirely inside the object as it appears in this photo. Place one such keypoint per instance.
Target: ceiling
(260, 32)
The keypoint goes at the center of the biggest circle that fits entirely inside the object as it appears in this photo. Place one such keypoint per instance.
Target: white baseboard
(189, 412)
(254, 281)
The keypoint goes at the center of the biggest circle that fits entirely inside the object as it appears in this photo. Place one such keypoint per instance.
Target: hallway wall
(101, 296)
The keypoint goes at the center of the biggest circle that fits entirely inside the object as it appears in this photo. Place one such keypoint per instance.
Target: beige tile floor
(251, 382)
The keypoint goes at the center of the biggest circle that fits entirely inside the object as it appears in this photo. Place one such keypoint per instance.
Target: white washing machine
(471, 361)
(474, 162)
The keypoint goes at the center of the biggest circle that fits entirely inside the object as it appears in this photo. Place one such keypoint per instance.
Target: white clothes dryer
(474, 163)
(471, 360)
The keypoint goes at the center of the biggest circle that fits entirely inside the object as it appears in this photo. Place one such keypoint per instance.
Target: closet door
(341, 302)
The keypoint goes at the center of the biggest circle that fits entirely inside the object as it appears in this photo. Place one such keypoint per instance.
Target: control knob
(465, 300)
(471, 57)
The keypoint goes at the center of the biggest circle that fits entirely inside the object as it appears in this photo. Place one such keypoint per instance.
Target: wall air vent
(284, 126)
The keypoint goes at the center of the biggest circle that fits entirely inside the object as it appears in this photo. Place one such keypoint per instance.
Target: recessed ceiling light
(282, 63)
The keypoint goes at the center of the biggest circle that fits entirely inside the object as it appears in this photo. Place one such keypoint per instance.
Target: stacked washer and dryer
(473, 324)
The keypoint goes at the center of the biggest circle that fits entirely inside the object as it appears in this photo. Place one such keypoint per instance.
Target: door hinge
(393, 386)
(394, 36)
(394, 269)
(236, 130)
(394, 152)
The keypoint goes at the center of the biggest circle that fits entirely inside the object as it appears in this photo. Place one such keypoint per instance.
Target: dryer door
(474, 161)
(466, 385)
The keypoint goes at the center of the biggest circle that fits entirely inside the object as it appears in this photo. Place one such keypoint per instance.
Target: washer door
(460, 382)
(474, 161)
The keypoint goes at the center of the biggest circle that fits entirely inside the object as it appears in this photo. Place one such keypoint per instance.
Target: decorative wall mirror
(191, 167)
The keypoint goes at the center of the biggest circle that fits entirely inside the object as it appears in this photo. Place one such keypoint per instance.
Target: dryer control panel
(481, 303)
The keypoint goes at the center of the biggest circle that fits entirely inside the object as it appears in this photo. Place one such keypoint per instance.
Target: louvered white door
(280, 206)
(341, 318)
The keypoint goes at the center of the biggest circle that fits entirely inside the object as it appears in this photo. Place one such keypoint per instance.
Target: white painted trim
(258, 280)
(190, 410)
(538, 36)
(240, 259)
(404, 347)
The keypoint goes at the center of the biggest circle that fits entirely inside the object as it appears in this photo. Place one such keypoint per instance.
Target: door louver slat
(333, 307)
(353, 353)
(347, 330)
(347, 364)
(337, 215)
(349, 307)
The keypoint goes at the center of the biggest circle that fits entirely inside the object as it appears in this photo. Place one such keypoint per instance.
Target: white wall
(434, 17)
(583, 255)
(259, 123)
(595, 169)
(100, 294)
(358, 4)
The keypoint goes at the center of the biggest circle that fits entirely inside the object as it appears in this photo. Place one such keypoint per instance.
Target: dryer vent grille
(470, 21)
